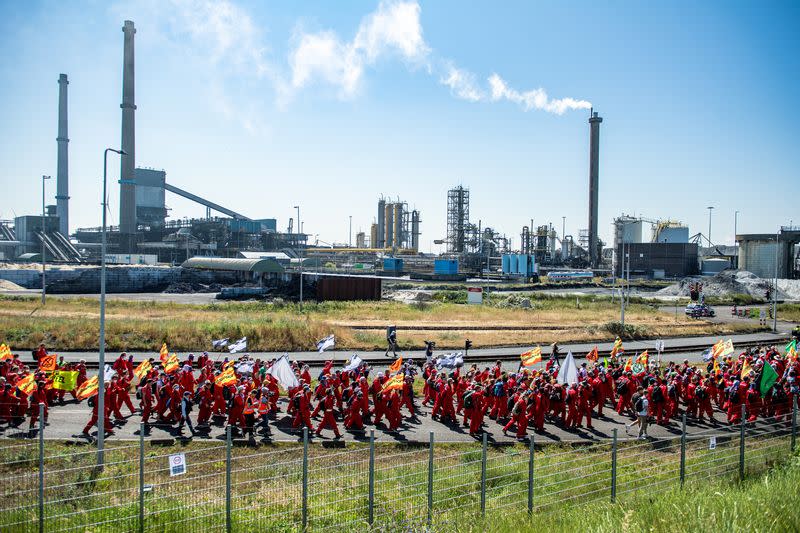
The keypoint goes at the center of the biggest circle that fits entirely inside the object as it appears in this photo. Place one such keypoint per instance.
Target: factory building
(768, 254)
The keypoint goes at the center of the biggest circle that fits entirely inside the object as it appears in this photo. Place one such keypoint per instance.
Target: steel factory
(147, 234)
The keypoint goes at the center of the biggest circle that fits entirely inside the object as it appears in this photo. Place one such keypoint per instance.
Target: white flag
(244, 368)
(283, 373)
(354, 363)
(221, 343)
(108, 373)
(451, 360)
(238, 346)
(327, 342)
(568, 373)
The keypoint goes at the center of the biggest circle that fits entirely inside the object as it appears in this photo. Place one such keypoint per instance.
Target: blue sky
(261, 106)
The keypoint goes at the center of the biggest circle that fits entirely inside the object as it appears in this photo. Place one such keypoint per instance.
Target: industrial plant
(147, 234)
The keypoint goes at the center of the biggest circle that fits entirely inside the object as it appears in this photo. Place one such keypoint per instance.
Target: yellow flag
(746, 369)
(531, 357)
(164, 353)
(394, 383)
(172, 364)
(5, 352)
(617, 348)
(642, 358)
(226, 377)
(628, 364)
(142, 369)
(65, 379)
(87, 389)
(717, 369)
(27, 384)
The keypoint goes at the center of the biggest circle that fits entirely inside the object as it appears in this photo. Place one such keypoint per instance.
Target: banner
(172, 364)
(452, 360)
(65, 379)
(394, 383)
(327, 342)
(226, 377)
(164, 354)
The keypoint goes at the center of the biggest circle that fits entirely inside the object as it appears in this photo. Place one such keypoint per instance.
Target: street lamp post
(299, 231)
(710, 208)
(44, 237)
(775, 290)
(735, 242)
(101, 414)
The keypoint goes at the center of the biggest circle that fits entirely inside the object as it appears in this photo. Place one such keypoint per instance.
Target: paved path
(67, 421)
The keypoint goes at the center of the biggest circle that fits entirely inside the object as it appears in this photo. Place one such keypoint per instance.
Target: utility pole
(735, 242)
(44, 238)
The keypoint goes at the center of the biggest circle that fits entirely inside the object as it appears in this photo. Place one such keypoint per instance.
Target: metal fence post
(41, 468)
(305, 478)
(741, 445)
(683, 449)
(483, 475)
(614, 466)
(228, 479)
(430, 480)
(530, 477)
(794, 420)
(371, 475)
(141, 477)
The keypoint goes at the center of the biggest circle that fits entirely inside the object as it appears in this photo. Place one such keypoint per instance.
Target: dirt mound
(6, 285)
(191, 288)
(730, 282)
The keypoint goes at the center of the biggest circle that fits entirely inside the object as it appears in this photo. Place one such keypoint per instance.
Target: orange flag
(628, 364)
(5, 352)
(87, 389)
(593, 356)
(395, 367)
(47, 363)
(27, 384)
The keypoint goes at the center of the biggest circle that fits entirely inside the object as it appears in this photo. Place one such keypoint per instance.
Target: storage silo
(379, 241)
(388, 234)
(398, 239)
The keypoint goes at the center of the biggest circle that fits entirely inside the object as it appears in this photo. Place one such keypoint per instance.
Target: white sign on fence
(475, 295)
(177, 464)
(712, 443)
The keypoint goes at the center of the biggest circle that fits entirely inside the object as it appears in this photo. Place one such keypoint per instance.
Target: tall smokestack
(594, 175)
(127, 190)
(62, 178)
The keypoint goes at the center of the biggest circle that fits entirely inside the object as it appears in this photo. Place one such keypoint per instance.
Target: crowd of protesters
(242, 393)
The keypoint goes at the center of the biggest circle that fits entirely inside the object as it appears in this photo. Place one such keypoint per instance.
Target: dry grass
(73, 324)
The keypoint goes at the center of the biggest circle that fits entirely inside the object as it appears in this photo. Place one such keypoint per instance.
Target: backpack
(510, 403)
(672, 391)
(701, 393)
(658, 394)
(638, 404)
(296, 401)
(226, 394)
(468, 399)
(189, 405)
(622, 387)
(555, 396)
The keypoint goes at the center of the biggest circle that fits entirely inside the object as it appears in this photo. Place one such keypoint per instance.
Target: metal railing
(49, 486)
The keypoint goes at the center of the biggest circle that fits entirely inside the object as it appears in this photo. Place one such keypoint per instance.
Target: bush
(627, 331)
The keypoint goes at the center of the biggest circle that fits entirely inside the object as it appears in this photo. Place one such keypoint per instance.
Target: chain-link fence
(228, 485)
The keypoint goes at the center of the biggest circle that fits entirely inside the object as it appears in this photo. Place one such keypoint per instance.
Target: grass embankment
(789, 312)
(571, 487)
(72, 324)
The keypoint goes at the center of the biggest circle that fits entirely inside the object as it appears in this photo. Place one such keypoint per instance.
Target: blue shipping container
(393, 264)
(445, 266)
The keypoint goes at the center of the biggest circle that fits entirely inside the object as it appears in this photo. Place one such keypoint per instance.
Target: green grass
(790, 312)
(571, 487)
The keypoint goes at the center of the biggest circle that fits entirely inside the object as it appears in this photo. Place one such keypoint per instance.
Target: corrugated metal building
(758, 253)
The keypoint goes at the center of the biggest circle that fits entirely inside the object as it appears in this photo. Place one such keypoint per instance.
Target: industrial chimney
(594, 175)
(127, 190)
(62, 177)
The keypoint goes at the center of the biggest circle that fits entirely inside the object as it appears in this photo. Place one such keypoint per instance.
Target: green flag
(791, 347)
(605, 362)
(767, 379)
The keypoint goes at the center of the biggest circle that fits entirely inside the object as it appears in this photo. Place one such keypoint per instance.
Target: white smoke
(533, 99)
